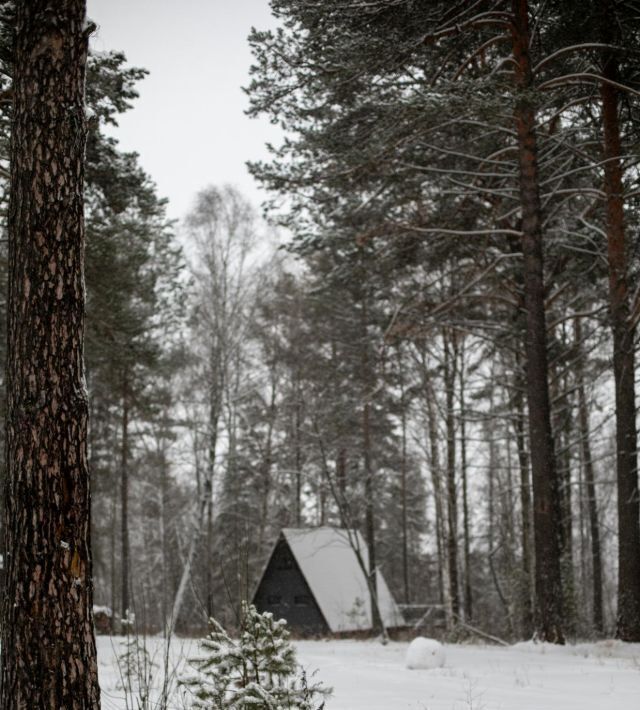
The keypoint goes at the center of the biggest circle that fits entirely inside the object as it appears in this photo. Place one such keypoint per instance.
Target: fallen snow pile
(424, 653)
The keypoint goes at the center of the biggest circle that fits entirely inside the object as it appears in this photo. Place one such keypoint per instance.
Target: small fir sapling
(257, 670)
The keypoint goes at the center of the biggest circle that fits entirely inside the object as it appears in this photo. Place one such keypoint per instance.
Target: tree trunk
(124, 505)
(49, 653)
(545, 484)
(267, 463)
(403, 482)
(468, 598)
(214, 416)
(443, 575)
(369, 486)
(298, 452)
(589, 478)
(452, 503)
(561, 417)
(112, 547)
(369, 518)
(525, 505)
(164, 541)
(628, 624)
(565, 433)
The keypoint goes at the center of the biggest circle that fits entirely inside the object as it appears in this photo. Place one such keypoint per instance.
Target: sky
(188, 125)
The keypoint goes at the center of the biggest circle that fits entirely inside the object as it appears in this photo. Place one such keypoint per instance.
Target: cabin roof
(330, 566)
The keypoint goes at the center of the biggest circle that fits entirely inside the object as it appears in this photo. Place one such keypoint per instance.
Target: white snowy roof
(330, 566)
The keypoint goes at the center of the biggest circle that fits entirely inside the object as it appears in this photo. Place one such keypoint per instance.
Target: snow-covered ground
(367, 675)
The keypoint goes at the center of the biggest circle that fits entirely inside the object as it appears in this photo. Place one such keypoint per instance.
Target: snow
(424, 653)
(330, 566)
(366, 675)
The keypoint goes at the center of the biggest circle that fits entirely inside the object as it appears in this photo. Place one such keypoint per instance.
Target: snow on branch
(576, 78)
(493, 18)
(580, 47)
(464, 232)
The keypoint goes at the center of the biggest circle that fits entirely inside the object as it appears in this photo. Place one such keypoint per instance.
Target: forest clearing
(365, 675)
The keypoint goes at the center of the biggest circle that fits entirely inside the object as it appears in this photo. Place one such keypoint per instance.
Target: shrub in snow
(257, 670)
(424, 653)
(136, 673)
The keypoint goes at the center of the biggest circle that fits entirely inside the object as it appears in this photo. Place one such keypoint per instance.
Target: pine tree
(48, 645)
(460, 128)
(259, 669)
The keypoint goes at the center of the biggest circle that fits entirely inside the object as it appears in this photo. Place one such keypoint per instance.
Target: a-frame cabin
(313, 580)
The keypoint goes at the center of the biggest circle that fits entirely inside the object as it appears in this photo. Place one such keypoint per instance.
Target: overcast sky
(188, 124)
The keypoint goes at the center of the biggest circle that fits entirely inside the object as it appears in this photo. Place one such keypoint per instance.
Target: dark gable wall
(284, 592)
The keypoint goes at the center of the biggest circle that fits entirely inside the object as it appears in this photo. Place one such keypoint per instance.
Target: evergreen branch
(579, 47)
(569, 79)
(492, 18)
(485, 45)
(464, 232)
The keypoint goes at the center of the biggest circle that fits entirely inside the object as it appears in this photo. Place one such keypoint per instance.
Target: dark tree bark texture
(124, 504)
(369, 484)
(525, 504)
(628, 625)
(590, 483)
(468, 594)
(49, 654)
(549, 613)
(450, 361)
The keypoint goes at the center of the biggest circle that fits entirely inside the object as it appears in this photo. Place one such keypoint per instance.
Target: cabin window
(274, 599)
(302, 600)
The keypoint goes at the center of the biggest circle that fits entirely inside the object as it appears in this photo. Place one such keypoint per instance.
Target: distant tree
(48, 646)
(222, 228)
(617, 29)
(134, 304)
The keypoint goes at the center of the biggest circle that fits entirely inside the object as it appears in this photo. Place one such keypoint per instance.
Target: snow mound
(424, 653)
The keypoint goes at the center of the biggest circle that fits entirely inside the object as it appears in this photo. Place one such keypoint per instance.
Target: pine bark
(298, 450)
(525, 505)
(49, 658)
(546, 522)
(452, 503)
(443, 576)
(124, 506)
(628, 623)
(403, 481)
(369, 484)
(370, 519)
(466, 522)
(589, 478)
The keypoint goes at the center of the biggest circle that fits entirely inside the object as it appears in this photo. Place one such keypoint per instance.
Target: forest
(428, 331)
